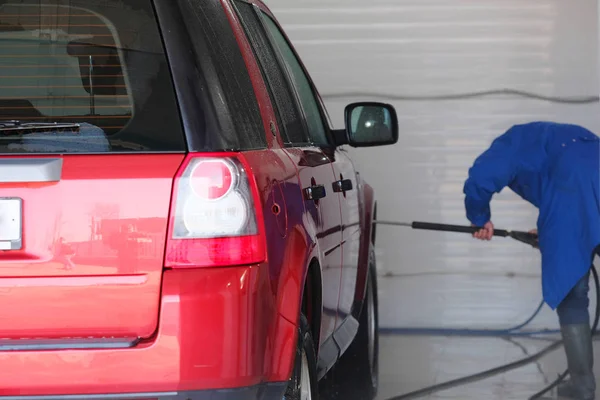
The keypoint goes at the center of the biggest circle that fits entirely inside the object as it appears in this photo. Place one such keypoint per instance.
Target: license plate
(11, 224)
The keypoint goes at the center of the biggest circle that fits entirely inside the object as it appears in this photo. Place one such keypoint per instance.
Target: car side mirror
(371, 124)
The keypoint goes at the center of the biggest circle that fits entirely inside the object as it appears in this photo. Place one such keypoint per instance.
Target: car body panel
(313, 223)
(354, 224)
(368, 211)
(200, 328)
(323, 219)
(208, 338)
(345, 175)
(93, 249)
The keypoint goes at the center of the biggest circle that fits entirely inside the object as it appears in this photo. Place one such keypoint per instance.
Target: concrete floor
(410, 363)
(470, 299)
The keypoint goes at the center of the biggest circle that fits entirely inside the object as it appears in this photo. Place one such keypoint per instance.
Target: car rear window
(85, 76)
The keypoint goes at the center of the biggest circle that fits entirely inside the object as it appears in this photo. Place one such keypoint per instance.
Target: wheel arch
(299, 281)
(312, 300)
(368, 237)
(373, 224)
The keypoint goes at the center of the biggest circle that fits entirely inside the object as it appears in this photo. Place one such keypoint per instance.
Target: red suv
(177, 218)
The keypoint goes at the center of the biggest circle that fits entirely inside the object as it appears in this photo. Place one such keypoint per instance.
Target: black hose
(562, 376)
(480, 375)
(507, 367)
(468, 95)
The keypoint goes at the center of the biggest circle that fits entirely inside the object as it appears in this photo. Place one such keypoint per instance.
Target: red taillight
(214, 221)
(212, 179)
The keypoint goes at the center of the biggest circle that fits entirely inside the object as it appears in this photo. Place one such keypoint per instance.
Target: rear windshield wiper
(17, 127)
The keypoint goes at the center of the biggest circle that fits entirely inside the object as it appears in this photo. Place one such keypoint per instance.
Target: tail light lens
(214, 219)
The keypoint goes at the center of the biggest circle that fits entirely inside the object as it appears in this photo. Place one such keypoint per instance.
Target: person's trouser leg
(574, 318)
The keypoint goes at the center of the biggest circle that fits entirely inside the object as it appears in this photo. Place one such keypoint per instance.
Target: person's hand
(537, 241)
(485, 233)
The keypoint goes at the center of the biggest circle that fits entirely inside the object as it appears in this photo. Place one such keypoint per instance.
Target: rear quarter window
(229, 85)
(95, 68)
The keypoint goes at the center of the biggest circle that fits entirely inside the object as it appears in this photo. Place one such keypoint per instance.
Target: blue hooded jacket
(556, 167)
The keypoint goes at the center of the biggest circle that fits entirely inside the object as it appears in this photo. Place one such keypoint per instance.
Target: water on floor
(410, 363)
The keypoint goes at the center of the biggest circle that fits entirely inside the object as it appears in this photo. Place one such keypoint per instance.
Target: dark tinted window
(316, 128)
(279, 90)
(96, 67)
(229, 86)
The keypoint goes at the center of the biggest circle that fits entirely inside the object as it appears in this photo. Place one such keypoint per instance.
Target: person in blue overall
(556, 168)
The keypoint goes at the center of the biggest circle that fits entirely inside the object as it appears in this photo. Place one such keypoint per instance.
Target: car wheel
(358, 369)
(303, 383)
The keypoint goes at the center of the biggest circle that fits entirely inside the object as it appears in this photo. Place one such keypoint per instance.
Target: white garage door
(459, 73)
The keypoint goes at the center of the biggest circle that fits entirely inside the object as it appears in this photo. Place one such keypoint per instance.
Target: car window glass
(97, 69)
(282, 96)
(354, 118)
(301, 82)
(231, 91)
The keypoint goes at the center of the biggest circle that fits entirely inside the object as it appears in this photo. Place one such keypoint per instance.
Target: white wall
(399, 49)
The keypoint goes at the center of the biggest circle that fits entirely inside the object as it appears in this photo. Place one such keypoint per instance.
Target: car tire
(303, 384)
(358, 370)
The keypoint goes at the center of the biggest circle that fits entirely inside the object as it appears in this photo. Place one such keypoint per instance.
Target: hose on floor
(480, 375)
(562, 376)
(510, 366)
(513, 331)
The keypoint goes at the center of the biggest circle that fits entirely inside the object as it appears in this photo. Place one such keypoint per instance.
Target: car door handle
(343, 185)
(315, 192)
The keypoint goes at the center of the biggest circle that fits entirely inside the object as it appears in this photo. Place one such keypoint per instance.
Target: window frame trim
(324, 116)
(268, 82)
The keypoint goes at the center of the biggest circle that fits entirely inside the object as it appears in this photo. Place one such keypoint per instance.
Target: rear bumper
(270, 391)
(218, 329)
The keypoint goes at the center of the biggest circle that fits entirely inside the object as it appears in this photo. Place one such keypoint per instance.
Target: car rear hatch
(90, 142)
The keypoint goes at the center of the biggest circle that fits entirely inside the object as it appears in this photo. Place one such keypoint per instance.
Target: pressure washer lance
(525, 237)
